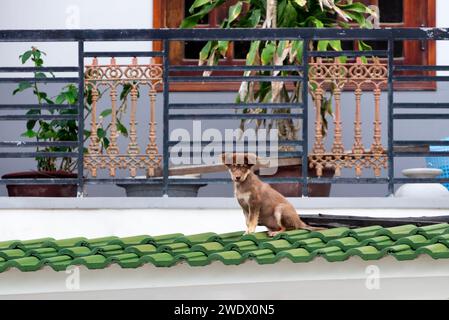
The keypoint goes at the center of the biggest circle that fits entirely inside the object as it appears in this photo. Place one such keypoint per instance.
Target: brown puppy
(261, 204)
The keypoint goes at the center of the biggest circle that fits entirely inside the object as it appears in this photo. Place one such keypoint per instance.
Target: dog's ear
(227, 159)
(250, 159)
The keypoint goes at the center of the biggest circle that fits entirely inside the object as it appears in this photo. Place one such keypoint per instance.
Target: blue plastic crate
(439, 162)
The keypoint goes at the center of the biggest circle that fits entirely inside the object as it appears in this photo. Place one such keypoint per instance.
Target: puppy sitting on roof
(261, 204)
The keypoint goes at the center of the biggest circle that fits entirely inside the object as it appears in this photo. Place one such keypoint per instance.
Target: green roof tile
(242, 246)
(433, 230)
(296, 255)
(162, 259)
(398, 232)
(366, 253)
(125, 260)
(43, 253)
(332, 253)
(379, 242)
(345, 243)
(8, 244)
(256, 237)
(414, 241)
(310, 244)
(330, 234)
(404, 242)
(208, 247)
(76, 251)
(58, 263)
(130, 241)
(401, 252)
(141, 249)
(194, 258)
(64, 243)
(197, 238)
(227, 257)
(436, 251)
(95, 261)
(225, 238)
(363, 233)
(26, 263)
(276, 245)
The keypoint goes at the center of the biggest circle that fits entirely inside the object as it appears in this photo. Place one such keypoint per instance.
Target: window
(394, 13)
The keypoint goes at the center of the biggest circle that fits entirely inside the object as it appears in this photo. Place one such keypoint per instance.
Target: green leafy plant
(63, 130)
(279, 14)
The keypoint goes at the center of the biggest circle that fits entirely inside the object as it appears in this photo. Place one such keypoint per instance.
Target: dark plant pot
(41, 190)
(155, 190)
(295, 189)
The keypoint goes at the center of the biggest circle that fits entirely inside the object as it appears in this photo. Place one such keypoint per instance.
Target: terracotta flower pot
(41, 190)
(295, 189)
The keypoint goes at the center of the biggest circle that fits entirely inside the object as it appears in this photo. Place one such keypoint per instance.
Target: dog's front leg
(253, 219)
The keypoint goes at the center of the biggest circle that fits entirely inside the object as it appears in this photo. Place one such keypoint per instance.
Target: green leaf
(105, 113)
(300, 3)
(101, 133)
(223, 47)
(297, 49)
(204, 53)
(31, 124)
(268, 53)
(60, 99)
(336, 45)
(105, 142)
(252, 54)
(122, 129)
(290, 16)
(197, 4)
(253, 19)
(22, 86)
(29, 134)
(86, 133)
(322, 45)
(234, 12)
(40, 75)
(26, 56)
(192, 20)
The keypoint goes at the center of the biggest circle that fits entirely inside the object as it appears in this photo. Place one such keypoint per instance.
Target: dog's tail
(305, 226)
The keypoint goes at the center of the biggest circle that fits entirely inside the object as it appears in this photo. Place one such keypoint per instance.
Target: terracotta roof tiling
(404, 242)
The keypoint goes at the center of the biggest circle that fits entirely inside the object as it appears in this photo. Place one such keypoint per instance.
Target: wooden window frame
(413, 52)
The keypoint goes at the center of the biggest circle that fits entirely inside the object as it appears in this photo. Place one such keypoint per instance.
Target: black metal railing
(167, 36)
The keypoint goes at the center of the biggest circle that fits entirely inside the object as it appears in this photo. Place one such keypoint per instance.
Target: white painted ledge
(422, 278)
(217, 203)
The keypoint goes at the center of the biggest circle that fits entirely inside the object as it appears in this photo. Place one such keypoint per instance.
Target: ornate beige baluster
(358, 145)
(376, 147)
(113, 149)
(358, 148)
(337, 147)
(318, 146)
(94, 145)
(152, 149)
(133, 149)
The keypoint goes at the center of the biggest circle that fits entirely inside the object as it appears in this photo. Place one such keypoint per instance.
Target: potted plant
(47, 131)
(281, 14)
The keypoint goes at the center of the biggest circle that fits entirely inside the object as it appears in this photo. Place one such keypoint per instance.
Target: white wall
(442, 22)
(72, 14)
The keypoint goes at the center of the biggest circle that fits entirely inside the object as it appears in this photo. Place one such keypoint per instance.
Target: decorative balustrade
(324, 76)
(112, 76)
(334, 76)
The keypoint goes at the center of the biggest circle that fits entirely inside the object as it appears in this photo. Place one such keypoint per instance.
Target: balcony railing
(320, 72)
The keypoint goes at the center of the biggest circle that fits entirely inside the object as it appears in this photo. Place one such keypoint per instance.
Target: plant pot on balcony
(41, 190)
(295, 189)
(156, 190)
